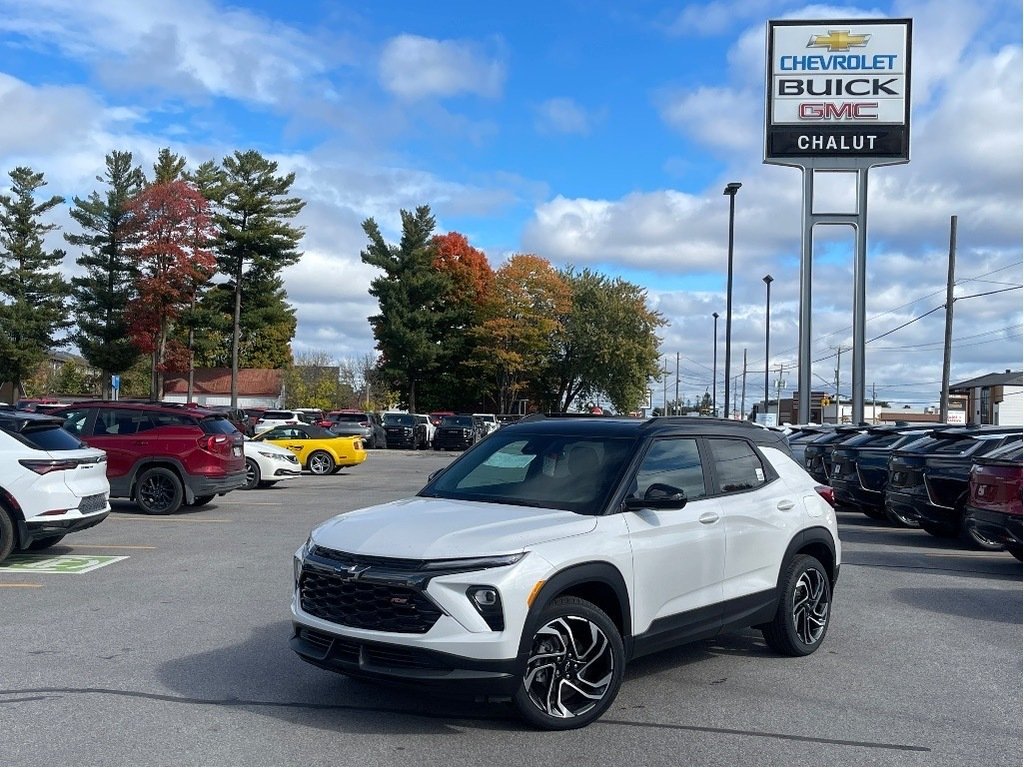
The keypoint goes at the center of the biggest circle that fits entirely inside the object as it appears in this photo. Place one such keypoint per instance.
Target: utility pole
(839, 352)
(675, 406)
(664, 388)
(947, 347)
(743, 397)
(778, 398)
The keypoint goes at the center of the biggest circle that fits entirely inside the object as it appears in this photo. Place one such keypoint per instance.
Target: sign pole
(860, 296)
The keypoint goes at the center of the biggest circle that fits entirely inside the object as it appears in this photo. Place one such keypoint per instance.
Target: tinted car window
(457, 421)
(351, 417)
(50, 437)
(278, 415)
(399, 420)
(737, 466)
(217, 425)
(75, 421)
(674, 462)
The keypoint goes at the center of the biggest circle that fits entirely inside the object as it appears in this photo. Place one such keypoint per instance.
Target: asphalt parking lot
(175, 652)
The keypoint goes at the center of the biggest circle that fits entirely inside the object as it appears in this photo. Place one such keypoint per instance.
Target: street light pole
(714, 372)
(730, 189)
(767, 332)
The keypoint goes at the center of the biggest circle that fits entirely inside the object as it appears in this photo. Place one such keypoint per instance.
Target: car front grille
(93, 503)
(365, 604)
(350, 651)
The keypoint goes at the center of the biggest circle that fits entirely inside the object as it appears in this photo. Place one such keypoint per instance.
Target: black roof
(626, 426)
(14, 420)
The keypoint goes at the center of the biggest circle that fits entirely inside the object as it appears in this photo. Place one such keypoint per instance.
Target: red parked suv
(161, 455)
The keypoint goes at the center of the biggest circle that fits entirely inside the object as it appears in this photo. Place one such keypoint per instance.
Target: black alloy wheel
(159, 491)
(805, 608)
(574, 668)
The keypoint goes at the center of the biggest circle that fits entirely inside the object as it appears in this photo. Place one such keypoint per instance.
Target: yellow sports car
(319, 451)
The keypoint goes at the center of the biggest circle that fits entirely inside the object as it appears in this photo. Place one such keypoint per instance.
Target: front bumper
(406, 664)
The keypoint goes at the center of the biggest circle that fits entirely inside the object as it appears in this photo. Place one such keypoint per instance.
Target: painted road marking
(58, 564)
(21, 585)
(163, 519)
(112, 546)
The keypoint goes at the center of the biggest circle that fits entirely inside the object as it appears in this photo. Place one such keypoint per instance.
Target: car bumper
(401, 442)
(215, 486)
(41, 528)
(447, 443)
(904, 504)
(406, 665)
(995, 526)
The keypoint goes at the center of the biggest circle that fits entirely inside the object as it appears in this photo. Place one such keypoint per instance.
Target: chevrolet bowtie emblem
(838, 40)
(354, 571)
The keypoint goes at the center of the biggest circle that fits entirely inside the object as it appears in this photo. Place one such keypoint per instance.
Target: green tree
(33, 294)
(254, 239)
(408, 328)
(101, 296)
(315, 382)
(607, 345)
(168, 167)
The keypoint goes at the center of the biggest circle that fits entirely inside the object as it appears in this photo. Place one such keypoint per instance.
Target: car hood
(426, 528)
(265, 445)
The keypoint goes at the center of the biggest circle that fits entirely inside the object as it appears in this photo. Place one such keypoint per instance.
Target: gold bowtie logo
(838, 40)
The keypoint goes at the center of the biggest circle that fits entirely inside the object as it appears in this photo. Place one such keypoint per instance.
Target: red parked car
(161, 455)
(994, 507)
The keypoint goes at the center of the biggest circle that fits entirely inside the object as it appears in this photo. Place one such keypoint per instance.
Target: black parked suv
(403, 430)
(818, 452)
(860, 466)
(929, 478)
(456, 433)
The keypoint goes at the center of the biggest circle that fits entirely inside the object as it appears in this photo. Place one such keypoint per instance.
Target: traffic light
(825, 401)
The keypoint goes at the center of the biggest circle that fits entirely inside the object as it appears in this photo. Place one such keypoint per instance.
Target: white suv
(51, 483)
(536, 565)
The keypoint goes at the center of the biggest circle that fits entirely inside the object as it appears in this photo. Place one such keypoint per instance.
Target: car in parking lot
(994, 508)
(456, 433)
(536, 565)
(859, 465)
(799, 436)
(489, 422)
(317, 449)
(365, 424)
(51, 483)
(267, 464)
(161, 455)
(818, 451)
(271, 419)
(404, 430)
(929, 479)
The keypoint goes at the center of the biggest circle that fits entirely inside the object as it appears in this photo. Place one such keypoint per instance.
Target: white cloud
(563, 115)
(414, 67)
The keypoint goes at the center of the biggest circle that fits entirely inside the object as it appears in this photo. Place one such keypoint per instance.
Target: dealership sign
(837, 90)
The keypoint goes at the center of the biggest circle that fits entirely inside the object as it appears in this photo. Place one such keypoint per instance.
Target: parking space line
(21, 585)
(111, 546)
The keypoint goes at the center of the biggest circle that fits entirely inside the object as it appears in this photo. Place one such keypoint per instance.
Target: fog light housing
(487, 602)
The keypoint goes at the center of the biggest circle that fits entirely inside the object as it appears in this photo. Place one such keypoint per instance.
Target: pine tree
(101, 296)
(33, 294)
(254, 240)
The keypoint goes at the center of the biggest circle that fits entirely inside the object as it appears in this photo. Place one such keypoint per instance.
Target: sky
(595, 134)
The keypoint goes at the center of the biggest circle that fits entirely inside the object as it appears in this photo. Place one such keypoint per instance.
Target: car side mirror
(658, 496)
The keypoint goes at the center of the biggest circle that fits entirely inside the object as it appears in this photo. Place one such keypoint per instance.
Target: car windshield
(571, 472)
(399, 420)
(457, 421)
(350, 417)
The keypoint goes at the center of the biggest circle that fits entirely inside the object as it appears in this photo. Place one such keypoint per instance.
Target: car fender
(599, 572)
(817, 535)
(146, 463)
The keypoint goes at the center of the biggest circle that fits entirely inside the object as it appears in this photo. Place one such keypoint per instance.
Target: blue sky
(596, 134)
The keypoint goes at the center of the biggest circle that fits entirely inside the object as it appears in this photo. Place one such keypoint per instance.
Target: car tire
(200, 501)
(267, 483)
(6, 534)
(574, 668)
(1015, 550)
(805, 608)
(320, 463)
(38, 545)
(252, 475)
(158, 491)
(970, 536)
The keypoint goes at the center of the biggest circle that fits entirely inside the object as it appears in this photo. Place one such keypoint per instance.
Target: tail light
(211, 442)
(827, 494)
(45, 466)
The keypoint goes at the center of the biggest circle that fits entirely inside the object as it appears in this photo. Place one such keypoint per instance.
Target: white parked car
(267, 464)
(489, 420)
(51, 483)
(539, 563)
(271, 419)
(423, 418)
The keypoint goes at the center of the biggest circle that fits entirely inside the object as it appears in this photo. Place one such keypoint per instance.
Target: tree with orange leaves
(170, 233)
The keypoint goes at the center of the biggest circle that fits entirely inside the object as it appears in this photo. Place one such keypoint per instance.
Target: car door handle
(140, 442)
(785, 505)
(708, 517)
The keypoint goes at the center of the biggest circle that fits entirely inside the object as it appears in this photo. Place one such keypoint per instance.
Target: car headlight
(269, 454)
(460, 564)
